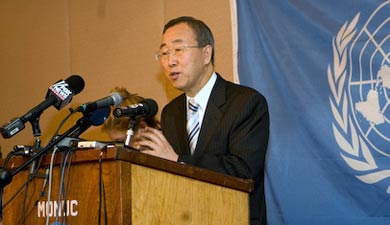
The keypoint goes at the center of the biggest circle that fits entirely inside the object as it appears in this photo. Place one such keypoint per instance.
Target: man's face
(184, 62)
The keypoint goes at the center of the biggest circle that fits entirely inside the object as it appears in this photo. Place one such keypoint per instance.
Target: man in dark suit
(214, 124)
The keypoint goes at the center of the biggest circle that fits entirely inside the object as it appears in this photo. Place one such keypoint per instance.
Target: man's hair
(203, 34)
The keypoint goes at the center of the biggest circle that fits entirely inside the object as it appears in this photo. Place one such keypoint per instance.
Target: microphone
(146, 107)
(93, 118)
(114, 99)
(59, 95)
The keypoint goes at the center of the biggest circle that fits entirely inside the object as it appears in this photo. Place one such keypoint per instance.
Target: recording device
(114, 99)
(146, 108)
(58, 95)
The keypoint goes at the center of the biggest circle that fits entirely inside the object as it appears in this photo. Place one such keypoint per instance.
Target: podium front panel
(136, 189)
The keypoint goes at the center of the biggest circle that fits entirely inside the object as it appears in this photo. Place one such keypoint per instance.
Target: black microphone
(146, 107)
(59, 95)
(114, 99)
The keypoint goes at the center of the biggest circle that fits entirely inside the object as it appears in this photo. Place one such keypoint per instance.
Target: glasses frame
(158, 55)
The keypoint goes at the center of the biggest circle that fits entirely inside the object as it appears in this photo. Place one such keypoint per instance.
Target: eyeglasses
(177, 51)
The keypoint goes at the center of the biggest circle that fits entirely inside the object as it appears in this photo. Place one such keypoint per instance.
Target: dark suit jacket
(233, 138)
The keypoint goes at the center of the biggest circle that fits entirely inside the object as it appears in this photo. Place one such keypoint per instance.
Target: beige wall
(109, 43)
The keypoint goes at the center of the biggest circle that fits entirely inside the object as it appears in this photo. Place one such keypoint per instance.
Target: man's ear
(207, 52)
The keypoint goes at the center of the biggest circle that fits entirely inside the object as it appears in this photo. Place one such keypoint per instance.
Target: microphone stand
(36, 133)
(6, 175)
(130, 131)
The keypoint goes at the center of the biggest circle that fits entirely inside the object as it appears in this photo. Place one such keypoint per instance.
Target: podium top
(139, 158)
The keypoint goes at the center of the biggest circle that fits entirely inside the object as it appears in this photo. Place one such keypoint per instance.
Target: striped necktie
(193, 124)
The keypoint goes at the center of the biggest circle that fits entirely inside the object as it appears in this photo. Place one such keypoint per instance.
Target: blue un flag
(324, 67)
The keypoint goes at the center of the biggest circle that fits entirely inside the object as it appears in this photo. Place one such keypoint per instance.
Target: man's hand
(151, 141)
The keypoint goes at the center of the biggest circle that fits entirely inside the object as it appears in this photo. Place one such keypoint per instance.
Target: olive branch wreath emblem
(355, 151)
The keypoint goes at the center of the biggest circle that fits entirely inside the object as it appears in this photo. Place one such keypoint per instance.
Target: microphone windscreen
(152, 107)
(76, 83)
(98, 116)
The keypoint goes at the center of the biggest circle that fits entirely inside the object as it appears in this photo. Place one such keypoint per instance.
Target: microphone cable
(55, 134)
(66, 165)
(67, 182)
(31, 176)
(20, 189)
(102, 193)
(50, 183)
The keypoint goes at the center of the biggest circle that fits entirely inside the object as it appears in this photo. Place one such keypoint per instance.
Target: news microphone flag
(324, 67)
(58, 95)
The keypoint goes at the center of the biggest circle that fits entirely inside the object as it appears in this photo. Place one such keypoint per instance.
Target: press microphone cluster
(58, 95)
(146, 108)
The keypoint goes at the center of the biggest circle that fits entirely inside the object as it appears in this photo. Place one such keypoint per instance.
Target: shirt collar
(202, 97)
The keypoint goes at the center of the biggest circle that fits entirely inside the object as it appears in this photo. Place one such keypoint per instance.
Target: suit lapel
(176, 129)
(181, 122)
(213, 115)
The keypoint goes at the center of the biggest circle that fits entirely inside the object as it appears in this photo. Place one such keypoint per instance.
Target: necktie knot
(193, 106)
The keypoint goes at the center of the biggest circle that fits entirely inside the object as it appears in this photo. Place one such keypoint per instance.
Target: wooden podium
(139, 189)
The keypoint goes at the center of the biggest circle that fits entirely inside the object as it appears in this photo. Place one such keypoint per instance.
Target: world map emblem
(359, 79)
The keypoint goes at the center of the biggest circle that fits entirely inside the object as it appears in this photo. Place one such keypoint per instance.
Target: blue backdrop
(324, 68)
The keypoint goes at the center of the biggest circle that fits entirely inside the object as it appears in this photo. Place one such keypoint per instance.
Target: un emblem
(359, 79)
